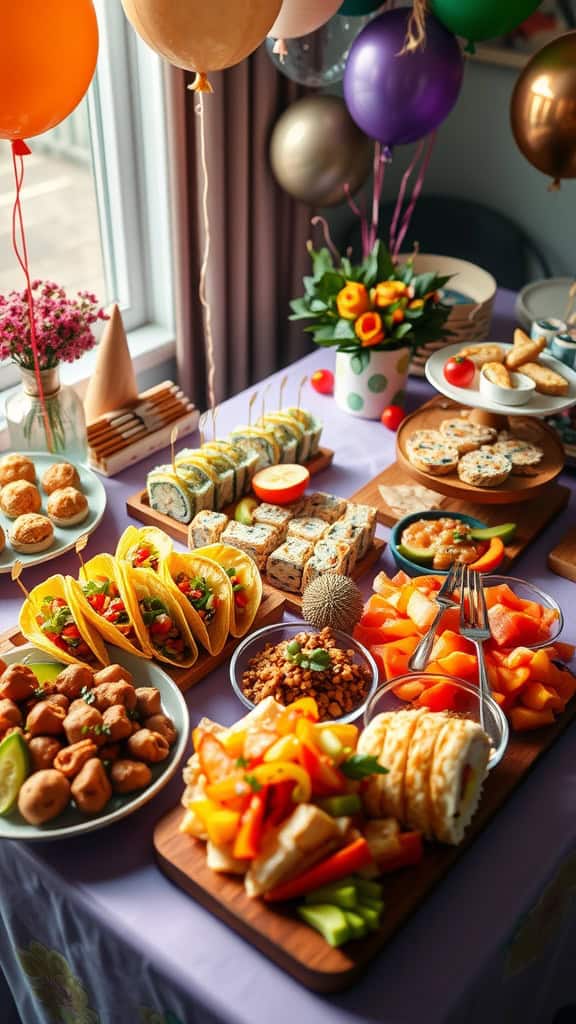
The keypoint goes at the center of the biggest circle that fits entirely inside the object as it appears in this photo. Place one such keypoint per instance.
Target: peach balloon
(299, 17)
(202, 35)
(48, 53)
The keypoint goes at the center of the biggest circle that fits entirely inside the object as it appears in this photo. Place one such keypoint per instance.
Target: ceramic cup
(547, 329)
(563, 346)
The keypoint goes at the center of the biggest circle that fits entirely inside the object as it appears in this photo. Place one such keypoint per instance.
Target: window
(96, 200)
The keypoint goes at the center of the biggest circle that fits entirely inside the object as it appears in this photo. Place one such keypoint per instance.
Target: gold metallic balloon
(316, 150)
(543, 109)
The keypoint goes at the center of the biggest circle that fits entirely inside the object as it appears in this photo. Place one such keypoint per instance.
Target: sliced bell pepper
(280, 802)
(347, 734)
(257, 742)
(233, 743)
(287, 748)
(348, 860)
(491, 558)
(249, 837)
(411, 853)
(325, 778)
(228, 790)
(306, 707)
(281, 771)
(220, 823)
(215, 762)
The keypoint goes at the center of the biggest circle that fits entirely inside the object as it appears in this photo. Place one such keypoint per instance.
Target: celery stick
(339, 895)
(370, 917)
(356, 924)
(329, 921)
(341, 806)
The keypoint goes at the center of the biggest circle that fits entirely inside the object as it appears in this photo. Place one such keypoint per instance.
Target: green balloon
(356, 8)
(483, 19)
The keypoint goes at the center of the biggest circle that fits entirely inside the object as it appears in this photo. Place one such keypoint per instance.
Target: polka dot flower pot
(367, 381)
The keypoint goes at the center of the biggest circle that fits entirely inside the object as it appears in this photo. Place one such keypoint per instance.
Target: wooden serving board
(515, 489)
(138, 505)
(282, 937)
(562, 558)
(271, 610)
(531, 517)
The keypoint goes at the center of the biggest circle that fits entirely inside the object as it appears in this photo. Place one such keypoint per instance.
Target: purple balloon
(398, 99)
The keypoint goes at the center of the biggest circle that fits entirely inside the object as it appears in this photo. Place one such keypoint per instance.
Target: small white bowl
(524, 389)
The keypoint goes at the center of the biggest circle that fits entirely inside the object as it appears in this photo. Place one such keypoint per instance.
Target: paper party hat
(113, 383)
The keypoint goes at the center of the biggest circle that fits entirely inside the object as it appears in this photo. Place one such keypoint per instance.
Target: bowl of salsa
(432, 541)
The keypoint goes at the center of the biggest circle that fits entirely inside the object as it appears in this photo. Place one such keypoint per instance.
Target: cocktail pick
(15, 574)
(264, 393)
(570, 304)
(173, 438)
(79, 547)
(214, 415)
(251, 406)
(300, 389)
(283, 384)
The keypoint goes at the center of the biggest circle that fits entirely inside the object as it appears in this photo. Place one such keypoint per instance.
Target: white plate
(542, 300)
(540, 405)
(64, 538)
(72, 822)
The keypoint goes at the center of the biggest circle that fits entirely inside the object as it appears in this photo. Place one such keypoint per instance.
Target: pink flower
(62, 325)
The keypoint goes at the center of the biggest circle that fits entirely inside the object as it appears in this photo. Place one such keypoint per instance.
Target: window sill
(150, 346)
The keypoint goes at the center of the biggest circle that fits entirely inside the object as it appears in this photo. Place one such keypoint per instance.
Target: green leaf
(424, 283)
(360, 766)
(318, 306)
(404, 273)
(321, 262)
(385, 266)
(402, 331)
(327, 333)
(344, 330)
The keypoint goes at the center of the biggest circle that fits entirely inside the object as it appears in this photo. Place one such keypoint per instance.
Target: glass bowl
(280, 632)
(495, 721)
(530, 592)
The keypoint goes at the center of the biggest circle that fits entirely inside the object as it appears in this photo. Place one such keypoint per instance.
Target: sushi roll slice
(459, 767)
(206, 528)
(258, 442)
(192, 467)
(285, 438)
(200, 486)
(169, 494)
(244, 463)
(296, 427)
(221, 467)
(312, 426)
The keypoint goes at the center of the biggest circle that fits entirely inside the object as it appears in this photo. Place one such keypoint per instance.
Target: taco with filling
(50, 619)
(158, 619)
(245, 580)
(97, 594)
(204, 593)
(144, 548)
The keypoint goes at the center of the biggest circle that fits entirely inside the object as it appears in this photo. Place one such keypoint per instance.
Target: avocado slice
(505, 532)
(421, 556)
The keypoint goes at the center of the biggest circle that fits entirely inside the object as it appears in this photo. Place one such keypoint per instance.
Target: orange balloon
(48, 52)
(202, 35)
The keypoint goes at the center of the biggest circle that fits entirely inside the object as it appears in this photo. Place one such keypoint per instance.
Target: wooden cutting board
(281, 936)
(562, 558)
(271, 610)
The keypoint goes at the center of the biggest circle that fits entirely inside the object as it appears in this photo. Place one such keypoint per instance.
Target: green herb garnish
(360, 766)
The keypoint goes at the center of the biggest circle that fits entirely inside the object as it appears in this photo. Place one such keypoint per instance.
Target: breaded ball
(108, 694)
(128, 776)
(19, 498)
(91, 788)
(2, 540)
(46, 719)
(43, 796)
(61, 474)
(16, 467)
(72, 759)
(18, 682)
(73, 679)
(43, 750)
(113, 674)
(116, 722)
(31, 533)
(10, 714)
(67, 507)
(84, 723)
(148, 701)
(148, 746)
(162, 724)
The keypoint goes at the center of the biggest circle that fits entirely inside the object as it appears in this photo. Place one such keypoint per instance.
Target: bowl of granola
(288, 661)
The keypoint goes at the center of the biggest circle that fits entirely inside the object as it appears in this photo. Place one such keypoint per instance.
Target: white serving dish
(542, 300)
(521, 393)
(539, 405)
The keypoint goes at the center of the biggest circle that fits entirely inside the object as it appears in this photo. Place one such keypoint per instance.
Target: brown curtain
(258, 234)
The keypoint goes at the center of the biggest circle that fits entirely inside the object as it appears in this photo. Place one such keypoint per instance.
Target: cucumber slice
(356, 924)
(421, 556)
(505, 532)
(14, 766)
(329, 921)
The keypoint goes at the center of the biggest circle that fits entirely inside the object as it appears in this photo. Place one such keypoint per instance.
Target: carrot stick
(346, 861)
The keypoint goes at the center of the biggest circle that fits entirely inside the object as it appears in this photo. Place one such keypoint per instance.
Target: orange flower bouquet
(378, 304)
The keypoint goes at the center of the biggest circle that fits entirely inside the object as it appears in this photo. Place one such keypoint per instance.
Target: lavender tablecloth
(91, 932)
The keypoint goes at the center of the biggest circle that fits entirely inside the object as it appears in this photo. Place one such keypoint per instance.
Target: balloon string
(363, 222)
(402, 193)
(209, 338)
(415, 195)
(19, 151)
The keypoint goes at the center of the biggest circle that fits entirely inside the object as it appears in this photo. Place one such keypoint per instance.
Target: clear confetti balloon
(319, 59)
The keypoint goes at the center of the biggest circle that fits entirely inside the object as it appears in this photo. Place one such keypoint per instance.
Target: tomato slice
(281, 484)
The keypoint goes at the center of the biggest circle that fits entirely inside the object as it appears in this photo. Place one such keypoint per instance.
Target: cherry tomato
(459, 371)
(392, 416)
(323, 382)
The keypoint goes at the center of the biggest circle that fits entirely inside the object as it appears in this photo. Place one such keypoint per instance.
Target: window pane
(60, 212)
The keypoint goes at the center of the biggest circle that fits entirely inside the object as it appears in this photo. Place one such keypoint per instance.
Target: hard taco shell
(58, 586)
(214, 635)
(104, 565)
(139, 583)
(232, 558)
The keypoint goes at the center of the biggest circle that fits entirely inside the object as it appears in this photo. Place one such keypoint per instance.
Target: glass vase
(60, 429)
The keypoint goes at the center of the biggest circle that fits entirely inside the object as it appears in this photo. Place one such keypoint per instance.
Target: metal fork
(474, 626)
(421, 655)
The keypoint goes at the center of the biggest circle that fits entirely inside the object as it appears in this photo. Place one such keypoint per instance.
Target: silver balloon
(319, 59)
(316, 151)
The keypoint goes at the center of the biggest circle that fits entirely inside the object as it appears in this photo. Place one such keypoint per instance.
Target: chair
(468, 230)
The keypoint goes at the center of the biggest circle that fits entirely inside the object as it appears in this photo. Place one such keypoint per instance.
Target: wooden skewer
(79, 547)
(300, 388)
(251, 406)
(214, 415)
(15, 575)
(264, 393)
(283, 384)
(570, 304)
(173, 438)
